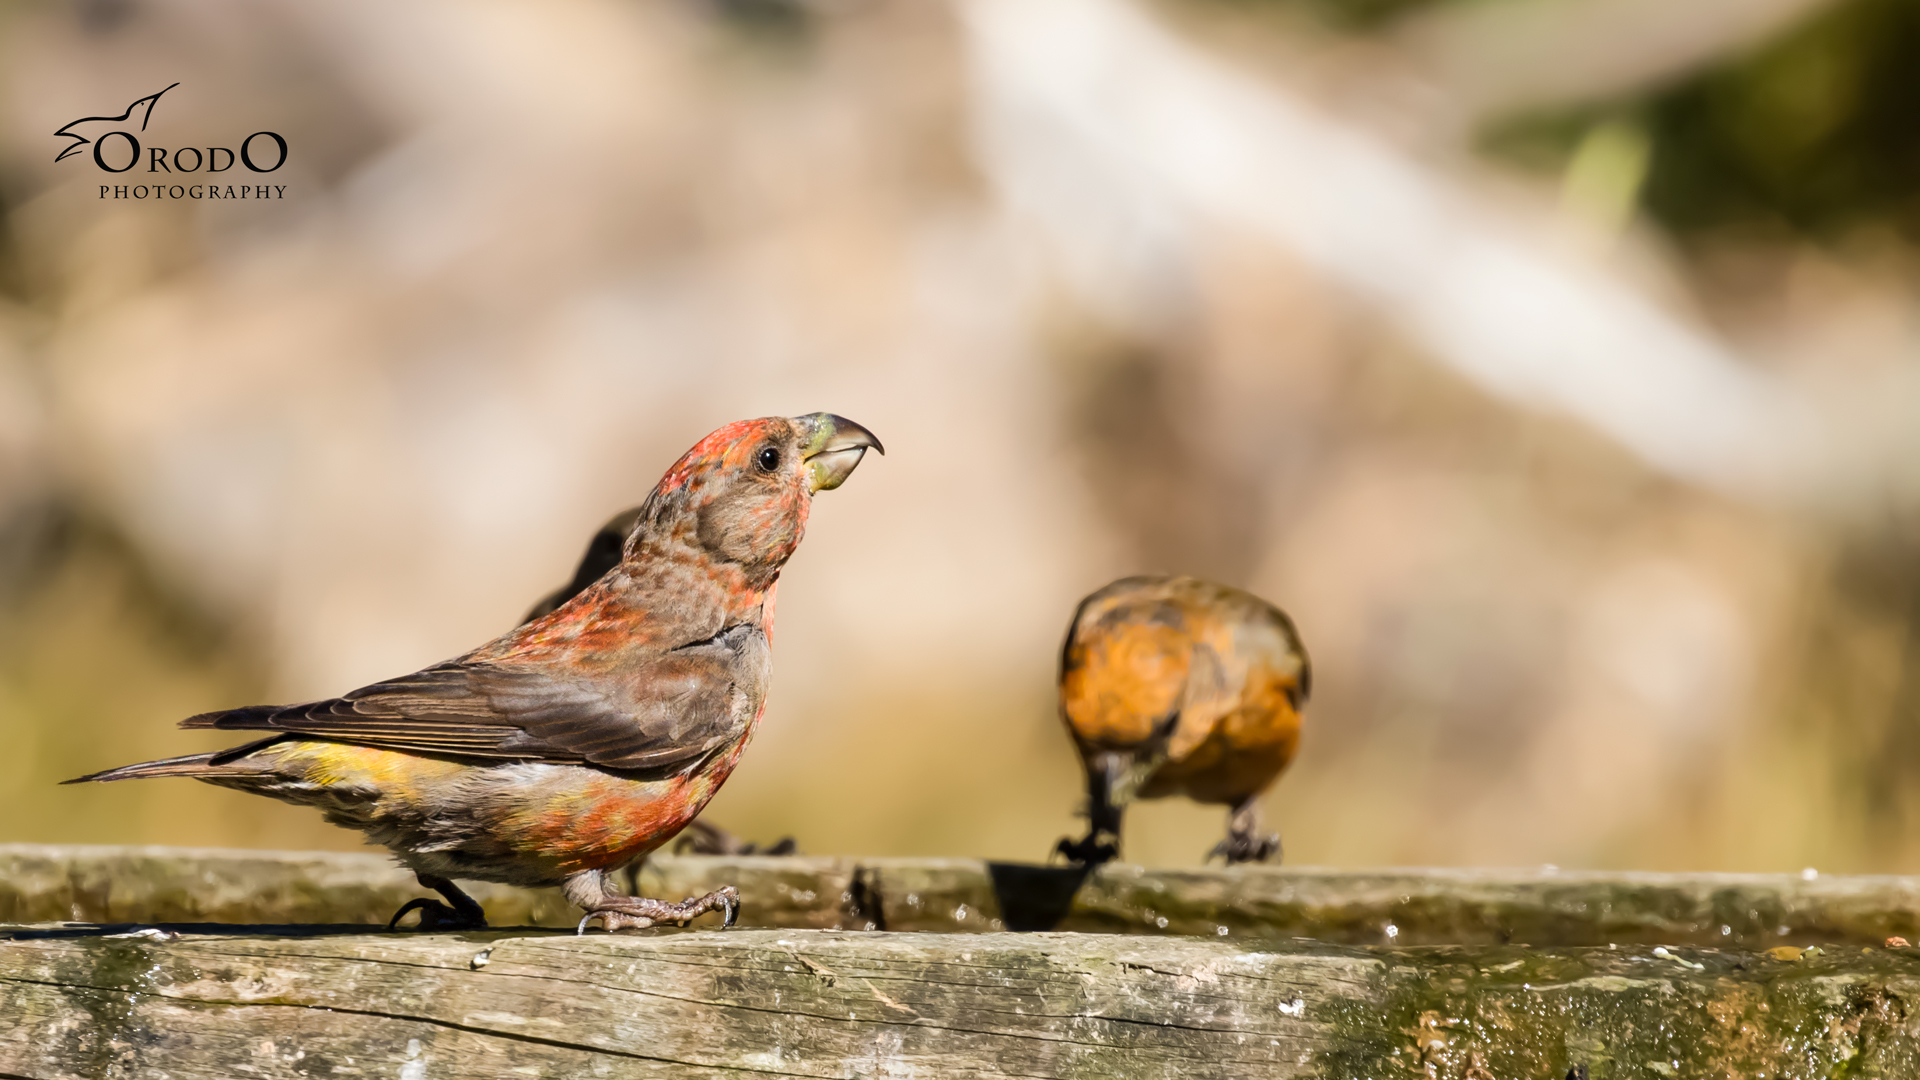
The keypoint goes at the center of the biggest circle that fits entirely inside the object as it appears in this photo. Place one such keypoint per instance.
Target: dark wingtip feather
(231, 719)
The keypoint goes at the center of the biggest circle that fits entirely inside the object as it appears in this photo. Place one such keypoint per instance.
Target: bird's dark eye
(768, 458)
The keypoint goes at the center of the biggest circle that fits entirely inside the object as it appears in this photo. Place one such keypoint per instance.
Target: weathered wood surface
(808, 1003)
(1404, 907)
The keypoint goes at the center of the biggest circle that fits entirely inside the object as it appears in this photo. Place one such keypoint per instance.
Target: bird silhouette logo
(144, 107)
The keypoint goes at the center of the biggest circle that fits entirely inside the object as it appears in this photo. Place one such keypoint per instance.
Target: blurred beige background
(1553, 362)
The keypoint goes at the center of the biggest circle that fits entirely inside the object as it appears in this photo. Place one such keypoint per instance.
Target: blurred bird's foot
(460, 912)
(1245, 841)
(1105, 772)
(1090, 850)
(701, 838)
(616, 912)
(1244, 848)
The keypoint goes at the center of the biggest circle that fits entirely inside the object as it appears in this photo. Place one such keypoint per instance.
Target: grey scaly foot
(616, 912)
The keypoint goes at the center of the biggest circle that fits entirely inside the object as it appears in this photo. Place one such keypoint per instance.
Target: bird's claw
(1090, 850)
(607, 925)
(1243, 848)
(639, 912)
(435, 915)
(427, 914)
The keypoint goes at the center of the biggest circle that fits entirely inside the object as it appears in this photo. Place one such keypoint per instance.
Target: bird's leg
(1244, 842)
(460, 912)
(701, 838)
(588, 889)
(1102, 842)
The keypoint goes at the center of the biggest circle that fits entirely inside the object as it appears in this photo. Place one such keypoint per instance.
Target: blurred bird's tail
(195, 765)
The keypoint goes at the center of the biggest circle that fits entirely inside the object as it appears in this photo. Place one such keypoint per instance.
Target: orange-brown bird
(603, 554)
(1177, 686)
(588, 737)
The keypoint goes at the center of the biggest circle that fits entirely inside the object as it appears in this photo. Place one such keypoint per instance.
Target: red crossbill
(1177, 686)
(588, 737)
(602, 555)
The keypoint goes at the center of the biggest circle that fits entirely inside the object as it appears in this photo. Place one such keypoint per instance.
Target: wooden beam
(810, 1003)
(1402, 907)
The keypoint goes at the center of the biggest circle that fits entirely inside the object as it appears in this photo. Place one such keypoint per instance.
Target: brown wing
(672, 709)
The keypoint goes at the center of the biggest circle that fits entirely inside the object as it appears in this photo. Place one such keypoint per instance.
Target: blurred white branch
(1118, 139)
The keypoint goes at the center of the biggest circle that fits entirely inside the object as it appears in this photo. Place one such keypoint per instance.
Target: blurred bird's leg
(1244, 842)
(1102, 842)
(460, 912)
(701, 838)
(588, 890)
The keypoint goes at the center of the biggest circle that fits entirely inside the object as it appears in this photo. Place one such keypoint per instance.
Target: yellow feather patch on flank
(328, 764)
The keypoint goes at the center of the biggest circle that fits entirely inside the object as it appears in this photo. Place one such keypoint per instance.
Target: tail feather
(198, 765)
(190, 765)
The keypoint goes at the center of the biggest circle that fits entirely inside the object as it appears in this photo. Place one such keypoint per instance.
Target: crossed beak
(831, 446)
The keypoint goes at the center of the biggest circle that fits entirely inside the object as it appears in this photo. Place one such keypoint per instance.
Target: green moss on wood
(1413, 907)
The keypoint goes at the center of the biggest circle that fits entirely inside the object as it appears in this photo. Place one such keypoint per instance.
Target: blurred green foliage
(1817, 130)
(1812, 134)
